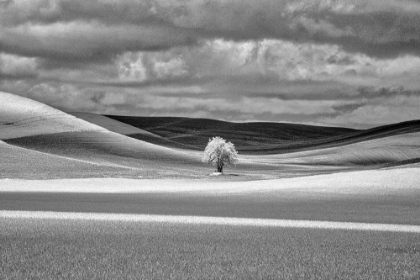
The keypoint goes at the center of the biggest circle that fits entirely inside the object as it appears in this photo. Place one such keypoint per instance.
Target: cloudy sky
(346, 63)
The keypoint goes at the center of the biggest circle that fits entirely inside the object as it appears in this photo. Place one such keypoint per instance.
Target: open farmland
(62, 248)
(82, 164)
(210, 139)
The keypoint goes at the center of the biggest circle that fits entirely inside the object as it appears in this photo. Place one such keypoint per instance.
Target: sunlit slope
(126, 129)
(21, 117)
(385, 151)
(112, 149)
(247, 137)
(50, 138)
(23, 163)
(111, 124)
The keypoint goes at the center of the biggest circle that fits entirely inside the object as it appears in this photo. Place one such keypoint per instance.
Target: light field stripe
(198, 220)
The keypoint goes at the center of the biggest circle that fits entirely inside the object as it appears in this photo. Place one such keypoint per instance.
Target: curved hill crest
(21, 117)
(259, 137)
(44, 141)
(36, 135)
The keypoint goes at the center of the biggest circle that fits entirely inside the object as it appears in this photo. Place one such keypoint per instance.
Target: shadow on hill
(257, 137)
(114, 150)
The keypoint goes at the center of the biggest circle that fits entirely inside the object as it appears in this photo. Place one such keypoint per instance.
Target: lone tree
(219, 153)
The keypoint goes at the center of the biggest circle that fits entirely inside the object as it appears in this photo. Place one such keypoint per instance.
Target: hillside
(111, 124)
(259, 137)
(20, 117)
(43, 142)
(104, 148)
(398, 149)
(38, 141)
(127, 129)
(248, 137)
(22, 163)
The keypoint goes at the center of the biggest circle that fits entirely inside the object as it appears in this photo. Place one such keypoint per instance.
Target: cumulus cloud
(377, 106)
(16, 67)
(304, 60)
(377, 28)
(373, 115)
(66, 96)
(82, 41)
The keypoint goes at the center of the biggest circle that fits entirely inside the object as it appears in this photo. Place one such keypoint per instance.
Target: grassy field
(397, 210)
(152, 166)
(63, 249)
(385, 196)
(40, 141)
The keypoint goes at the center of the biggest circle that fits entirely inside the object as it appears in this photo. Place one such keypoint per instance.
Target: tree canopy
(219, 153)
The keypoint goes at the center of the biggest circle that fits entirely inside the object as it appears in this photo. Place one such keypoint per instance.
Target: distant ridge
(249, 136)
(259, 137)
(38, 141)
(111, 124)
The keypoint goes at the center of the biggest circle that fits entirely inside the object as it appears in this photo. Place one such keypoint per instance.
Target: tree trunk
(219, 167)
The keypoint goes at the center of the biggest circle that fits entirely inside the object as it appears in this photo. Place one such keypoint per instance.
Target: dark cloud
(92, 42)
(96, 30)
(381, 31)
(334, 59)
(376, 33)
(393, 91)
(51, 11)
(16, 77)
(340, 109)
(330, 62)
(350, 73)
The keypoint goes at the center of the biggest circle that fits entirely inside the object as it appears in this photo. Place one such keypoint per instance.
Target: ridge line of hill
(258, 137)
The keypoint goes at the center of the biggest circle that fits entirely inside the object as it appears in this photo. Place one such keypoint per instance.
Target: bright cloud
(342, 62)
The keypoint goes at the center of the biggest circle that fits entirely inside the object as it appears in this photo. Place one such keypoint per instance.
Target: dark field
(390, 209)
(257, 137)
(74, 249)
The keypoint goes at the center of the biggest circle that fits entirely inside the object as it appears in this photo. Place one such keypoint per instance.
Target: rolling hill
(17, 162)
(399, 149)
(21, 117)
(260, 137)
(41, 138)
(38, 141)
(279, 144)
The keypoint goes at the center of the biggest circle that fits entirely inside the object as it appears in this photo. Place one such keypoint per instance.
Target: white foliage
(219, 153)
